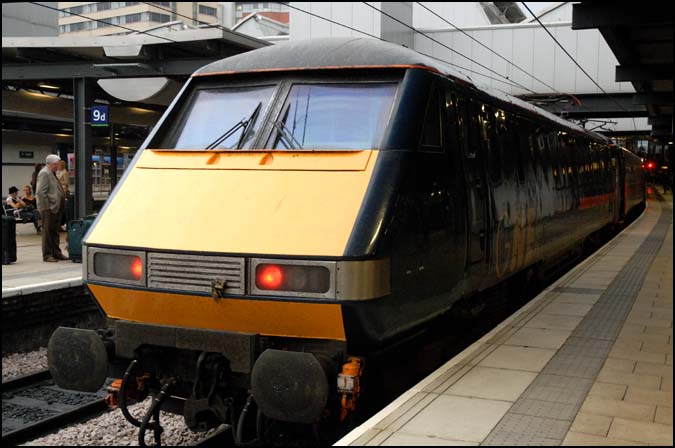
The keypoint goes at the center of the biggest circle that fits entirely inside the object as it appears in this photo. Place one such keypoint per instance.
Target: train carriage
(308, 203)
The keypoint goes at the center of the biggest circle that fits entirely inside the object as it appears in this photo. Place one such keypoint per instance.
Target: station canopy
(641, 38)
(168, 54)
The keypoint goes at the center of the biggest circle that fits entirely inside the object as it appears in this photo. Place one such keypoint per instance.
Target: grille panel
(194, 273)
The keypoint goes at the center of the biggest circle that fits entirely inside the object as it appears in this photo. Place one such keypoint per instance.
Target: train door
(476, 187)
(613, 169)
(441, 242)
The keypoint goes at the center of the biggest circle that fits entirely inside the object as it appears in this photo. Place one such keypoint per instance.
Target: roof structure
(165, 53)
(544, 14)
(642, 41)
(260, 25)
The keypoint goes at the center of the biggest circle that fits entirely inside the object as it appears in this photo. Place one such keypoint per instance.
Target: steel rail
(35, 429)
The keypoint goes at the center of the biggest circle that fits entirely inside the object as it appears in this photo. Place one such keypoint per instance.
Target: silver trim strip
(363, 280)
(85, 263)
(349, 280)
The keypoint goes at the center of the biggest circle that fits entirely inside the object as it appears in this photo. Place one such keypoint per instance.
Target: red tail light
(137, 268)
(270, 276)
(118, 266)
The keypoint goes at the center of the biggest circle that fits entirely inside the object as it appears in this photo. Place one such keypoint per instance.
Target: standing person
(51, 201)
(62, 176)
(33, 179)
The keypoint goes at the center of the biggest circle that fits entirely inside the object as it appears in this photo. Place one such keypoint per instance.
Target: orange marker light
(270, 277)
(137, 268)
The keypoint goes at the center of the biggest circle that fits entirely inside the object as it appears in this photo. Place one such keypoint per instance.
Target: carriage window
(462, 124)
(490, 119)
(474, 131)
(431, 136)
(334, 116)
(544, 154)
(452, 129)
(214, 112)
(517, 150)
(504, 135)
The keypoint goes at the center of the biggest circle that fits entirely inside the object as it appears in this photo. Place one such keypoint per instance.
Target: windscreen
(219, 118)
(334, 116)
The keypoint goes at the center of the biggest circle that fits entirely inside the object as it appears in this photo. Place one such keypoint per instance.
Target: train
(300, 206)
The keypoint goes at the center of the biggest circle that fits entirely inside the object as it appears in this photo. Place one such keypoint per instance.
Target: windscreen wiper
(243, 123)
(249, 125)
(284, 134)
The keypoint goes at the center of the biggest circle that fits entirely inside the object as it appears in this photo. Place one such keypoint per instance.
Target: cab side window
(431, 135)
(491, 144)
(474, 130)
(453, 126)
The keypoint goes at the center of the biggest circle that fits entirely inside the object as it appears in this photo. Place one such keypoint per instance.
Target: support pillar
(84, 201)
(113, 158)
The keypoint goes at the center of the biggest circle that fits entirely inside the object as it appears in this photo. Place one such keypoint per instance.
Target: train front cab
(192, 282)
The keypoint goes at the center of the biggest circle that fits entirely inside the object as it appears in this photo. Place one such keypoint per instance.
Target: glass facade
(117, 20)
(93, 16)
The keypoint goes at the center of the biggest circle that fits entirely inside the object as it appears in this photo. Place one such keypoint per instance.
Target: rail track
(32, 406)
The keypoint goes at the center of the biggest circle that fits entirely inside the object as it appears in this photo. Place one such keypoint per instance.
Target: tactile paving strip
(543, 414)
(574, 290)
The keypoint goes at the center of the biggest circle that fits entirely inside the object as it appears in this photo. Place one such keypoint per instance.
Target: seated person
(18, 207)
(13, 203)
(31, 204)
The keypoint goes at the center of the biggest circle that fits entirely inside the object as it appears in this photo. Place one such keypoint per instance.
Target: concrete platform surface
(29, 274)
(589, 361)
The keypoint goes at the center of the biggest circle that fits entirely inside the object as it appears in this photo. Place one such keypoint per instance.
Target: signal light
(270, 276)
(137, 268)
(650, 165)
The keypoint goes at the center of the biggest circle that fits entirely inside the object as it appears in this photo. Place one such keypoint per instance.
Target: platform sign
(99, 116)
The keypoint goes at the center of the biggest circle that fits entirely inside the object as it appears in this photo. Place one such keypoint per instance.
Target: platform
(29, 274)
(589, 361)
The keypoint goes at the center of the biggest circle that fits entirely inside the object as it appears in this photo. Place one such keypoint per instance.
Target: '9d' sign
(99, 116)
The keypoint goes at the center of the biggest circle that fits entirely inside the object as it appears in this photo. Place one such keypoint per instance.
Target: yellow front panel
(299, 208)
(270, 318)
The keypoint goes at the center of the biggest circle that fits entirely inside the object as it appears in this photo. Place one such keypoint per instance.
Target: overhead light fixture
(141, 111)
(117, 68)
(48, 86)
